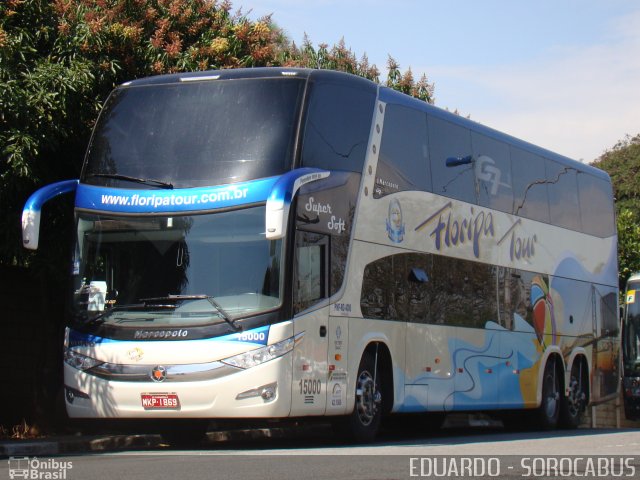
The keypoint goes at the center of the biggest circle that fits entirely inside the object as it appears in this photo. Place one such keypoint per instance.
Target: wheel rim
(367, 398)
(575, 398)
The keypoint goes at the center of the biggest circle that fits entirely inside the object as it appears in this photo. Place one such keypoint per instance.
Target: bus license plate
(160, 401)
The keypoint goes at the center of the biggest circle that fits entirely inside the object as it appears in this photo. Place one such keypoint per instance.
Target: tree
(622, 162)
(628, 244)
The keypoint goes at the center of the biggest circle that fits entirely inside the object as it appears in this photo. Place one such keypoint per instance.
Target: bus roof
(391, 96)
(385, 94)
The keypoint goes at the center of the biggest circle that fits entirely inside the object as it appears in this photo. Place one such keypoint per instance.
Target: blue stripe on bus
(46, 193)
(256, 336)
(122, 200)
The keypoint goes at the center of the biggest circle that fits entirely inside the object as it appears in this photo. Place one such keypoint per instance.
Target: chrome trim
(175, 373)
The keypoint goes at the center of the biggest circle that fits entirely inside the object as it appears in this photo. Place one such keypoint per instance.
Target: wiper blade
(223, 313)
(144, 181)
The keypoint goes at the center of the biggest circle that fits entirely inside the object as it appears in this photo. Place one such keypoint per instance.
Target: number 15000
(310, 387)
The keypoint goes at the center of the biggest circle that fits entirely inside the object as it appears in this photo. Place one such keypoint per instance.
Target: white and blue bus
(274, 243)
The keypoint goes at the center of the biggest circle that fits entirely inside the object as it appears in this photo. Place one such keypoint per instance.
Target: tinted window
(310, 270)
(529, 185)
(515, 288)
(397, 288)
(403, 163)
(327, 207)
(466, 293)
(427, 288)
(197, 133)
(492, 167)
(563, 195)
(447, 140)
(338, 124)
(596, 205)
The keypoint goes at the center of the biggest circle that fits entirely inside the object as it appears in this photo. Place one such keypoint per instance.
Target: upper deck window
(197, 133)
(338, 124)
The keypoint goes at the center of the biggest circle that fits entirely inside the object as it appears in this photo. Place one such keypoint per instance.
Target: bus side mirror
(457, 161)
(281, 197)
(33, 207)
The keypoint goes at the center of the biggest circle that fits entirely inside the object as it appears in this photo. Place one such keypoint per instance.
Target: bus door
(311, 317)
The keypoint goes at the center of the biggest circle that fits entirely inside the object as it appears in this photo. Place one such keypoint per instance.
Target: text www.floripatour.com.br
(156, 201)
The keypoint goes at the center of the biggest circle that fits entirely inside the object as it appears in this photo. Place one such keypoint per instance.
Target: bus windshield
(631, 330)
(200, 133)
(178, 270)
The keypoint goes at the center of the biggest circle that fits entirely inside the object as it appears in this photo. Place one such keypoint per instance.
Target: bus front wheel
(364, 421)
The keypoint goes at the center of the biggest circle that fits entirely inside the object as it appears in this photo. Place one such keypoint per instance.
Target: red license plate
(160, 401)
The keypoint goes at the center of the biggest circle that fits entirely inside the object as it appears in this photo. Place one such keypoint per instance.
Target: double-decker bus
(631, 348)
(273, 243)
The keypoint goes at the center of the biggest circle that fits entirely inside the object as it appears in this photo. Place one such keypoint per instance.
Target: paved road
(396, 455)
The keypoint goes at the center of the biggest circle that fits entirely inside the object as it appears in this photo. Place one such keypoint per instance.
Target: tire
(548, 414)
(574, 404)
(364, 422)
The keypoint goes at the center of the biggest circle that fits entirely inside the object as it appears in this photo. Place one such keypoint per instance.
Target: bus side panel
(309, 387)
(429, 371)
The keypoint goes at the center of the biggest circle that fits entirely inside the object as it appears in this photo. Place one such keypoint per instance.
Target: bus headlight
(79, 361)
(260, 355)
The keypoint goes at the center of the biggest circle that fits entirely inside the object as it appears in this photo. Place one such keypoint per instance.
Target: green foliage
(628, 244)
(622, 162)
(338, 57)
(405, 83)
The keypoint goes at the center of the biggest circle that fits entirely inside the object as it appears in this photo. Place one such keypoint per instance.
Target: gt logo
(486, 170)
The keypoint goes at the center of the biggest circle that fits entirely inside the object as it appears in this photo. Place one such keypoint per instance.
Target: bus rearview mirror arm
(33, 207)
(281, 196)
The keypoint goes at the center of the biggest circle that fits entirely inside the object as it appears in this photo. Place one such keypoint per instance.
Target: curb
(116, 442)
(112, 443)
(72, 445)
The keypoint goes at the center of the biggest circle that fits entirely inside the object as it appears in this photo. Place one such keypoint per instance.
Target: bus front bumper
(263, 391)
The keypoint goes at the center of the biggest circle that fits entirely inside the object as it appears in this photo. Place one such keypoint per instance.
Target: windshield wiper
(144, 181)
(223, 313)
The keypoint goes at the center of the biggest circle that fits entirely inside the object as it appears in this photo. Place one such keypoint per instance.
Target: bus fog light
(267, 392)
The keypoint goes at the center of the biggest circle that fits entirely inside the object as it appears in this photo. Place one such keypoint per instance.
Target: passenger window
(375, 300)
(563, 196)
(450, 141)
(530, 198)
(310, 283)
(403, 162)
(337, 126)
(466, 293)
(492, 167)
(596, 206)
(397, 288)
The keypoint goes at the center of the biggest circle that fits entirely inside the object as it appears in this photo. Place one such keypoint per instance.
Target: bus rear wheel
(575, 402)
(548, 413)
